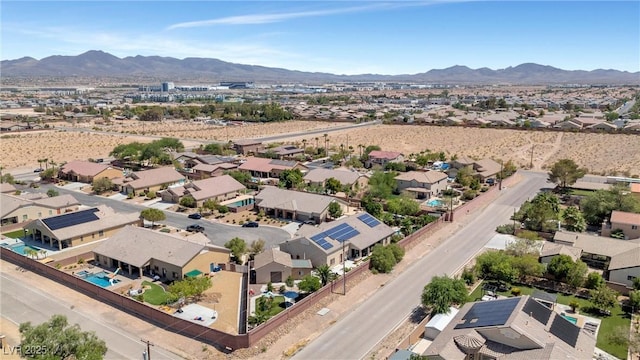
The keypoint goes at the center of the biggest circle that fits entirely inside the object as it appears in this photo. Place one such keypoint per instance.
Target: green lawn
(617, 318)
(155, 295)
(580, 192)
(275, 305)
(15, 234)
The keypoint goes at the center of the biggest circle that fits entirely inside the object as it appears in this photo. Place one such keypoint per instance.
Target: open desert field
(600, 153)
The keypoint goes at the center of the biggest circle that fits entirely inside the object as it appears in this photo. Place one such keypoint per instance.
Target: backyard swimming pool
(101, 279)
(241, 203)
(435, 203)
(570, 318)
(21, 248)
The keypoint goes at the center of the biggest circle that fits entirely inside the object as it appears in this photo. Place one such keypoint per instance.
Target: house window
(50, 212)
(39, 214)
(175, 275)
(631, 277)
(333, 261)
(300, 273)
(101, 233)
(25, 217)
(634, 227)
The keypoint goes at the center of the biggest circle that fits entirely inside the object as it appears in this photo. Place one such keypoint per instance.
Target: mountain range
(97, 63)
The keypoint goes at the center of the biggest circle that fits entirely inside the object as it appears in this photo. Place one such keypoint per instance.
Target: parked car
(195, 228)
(250, 224)
(195, 216)
(38, 170)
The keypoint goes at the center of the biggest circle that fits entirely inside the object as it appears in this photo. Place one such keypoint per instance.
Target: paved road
(317, 132)
(218, 233)
(360, 331)
(21, 303)
(626, 107)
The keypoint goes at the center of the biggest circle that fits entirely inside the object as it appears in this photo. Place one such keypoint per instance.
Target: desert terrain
(601, 153)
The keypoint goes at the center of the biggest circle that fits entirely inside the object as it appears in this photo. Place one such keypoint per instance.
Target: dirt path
(537, 165)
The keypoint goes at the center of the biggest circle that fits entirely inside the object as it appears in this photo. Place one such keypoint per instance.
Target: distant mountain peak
(97, 63)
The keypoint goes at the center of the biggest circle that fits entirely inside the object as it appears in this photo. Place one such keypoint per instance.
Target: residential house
(353, 179)
(422, 184)
(512, 328)
(87, 171)
(569, 125)
(204, 166)
(294, 205)
(486, 169)
(218, 189)
(80, 227)
(284, 152)
(551, 250)
(351, 237)
(268, 170)
(628, 222)
(381, 158)
(203, 171)
(248, 147)
(151, 180)
(276, 266)
(6, 188)
(139, 251)
(619, 259)
(16, 209)
(604, 126)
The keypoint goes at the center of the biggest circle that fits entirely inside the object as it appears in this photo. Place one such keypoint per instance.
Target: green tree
(442, 292)
(325, 274)
(335, 210)
(496, 265)
(634, 299)
(290, 179)
(238, 248)
(101, 185)
(210, 204)
(403, 206)
(594, 281)
(52, 193)
(153, 215)
(188, 288)
(7, 178)
(603, 298)
(565, 172)
(610, 116)
(309, 284)
(63, 341)
(560, 266)
(527, 265)
(242, 177)
(257, 246)
(397, 251)
(382, 184)
(371, 205)
(574, 220)
(541, 213)
(214, 148)
(188, 201)
(333, 185)
(48, 174)
(577, 274)
(598, 205)
(464, 176)
(382, 259)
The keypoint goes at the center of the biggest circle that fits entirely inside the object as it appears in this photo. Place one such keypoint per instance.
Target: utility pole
(531, 162)
(149, 345)
(500, 183)
(344, 272)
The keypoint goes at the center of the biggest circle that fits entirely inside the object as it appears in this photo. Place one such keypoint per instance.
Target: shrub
(469, 276)
(282, 289)
(516, 291)
(151, 195)
(574, 305)
(80, 261)
(269, 286)
(469, 194)
(505, 229)
(289, 281)
(130, 195)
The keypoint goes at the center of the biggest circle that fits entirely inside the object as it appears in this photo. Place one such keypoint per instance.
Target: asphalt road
(218, 233)
(361, 330)
(22, 303)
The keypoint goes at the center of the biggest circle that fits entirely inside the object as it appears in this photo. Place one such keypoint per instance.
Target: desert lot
(600, 153)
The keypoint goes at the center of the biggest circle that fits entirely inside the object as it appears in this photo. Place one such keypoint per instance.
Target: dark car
(38, 170)
(195, 216)
(250, 224)
(195, 228)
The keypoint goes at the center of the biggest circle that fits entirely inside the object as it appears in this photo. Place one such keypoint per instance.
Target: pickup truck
(195, 228)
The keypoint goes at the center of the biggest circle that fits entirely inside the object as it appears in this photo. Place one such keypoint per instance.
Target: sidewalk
(308, 325)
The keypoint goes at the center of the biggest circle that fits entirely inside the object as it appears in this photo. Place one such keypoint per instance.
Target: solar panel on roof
(488, 313)
(342, 232)
(319, 239)
(565, 330)
(71, 219)
(537, 310)
(369, 220)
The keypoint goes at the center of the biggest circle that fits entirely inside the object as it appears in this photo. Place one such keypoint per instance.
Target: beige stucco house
(422, 184)
(16, 209)
(151, 180)
(219, 189)
(87, 171)
(274, 265)
(294, 205)
(139, 251)
(628, 222)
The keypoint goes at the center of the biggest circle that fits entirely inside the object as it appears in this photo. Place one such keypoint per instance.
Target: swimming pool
(570, 318)
(23, 248)
(435, 203)
(241, 203)
(101, 279)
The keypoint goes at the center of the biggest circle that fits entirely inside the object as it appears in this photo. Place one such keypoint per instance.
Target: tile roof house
(319, 176)
(269, 170)
(87, 171)
(152, 180)
(484, 169)
(274, 265)
(381, 158)
(422, 184)
(80, 227)
(513, 328)
(282, 152)
(294, 205)
(248, 146)
(219, 188)
(6, 188)
(138, 250)
(628, 222)
(620, 259)
(323, 244)
(203, 171)
(16, 209)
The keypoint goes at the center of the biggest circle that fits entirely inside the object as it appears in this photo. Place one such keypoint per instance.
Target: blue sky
(341, 37)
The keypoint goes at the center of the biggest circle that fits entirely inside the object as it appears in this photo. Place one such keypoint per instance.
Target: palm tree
(326, 142)
(45, 161)
(53, 165)
(325, 273)
(317, 145)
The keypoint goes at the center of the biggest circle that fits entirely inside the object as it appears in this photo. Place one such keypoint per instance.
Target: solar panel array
(537, 310)
(565, 330)
(488, 313)
(71, 219)
(369, 220)
(341, 233)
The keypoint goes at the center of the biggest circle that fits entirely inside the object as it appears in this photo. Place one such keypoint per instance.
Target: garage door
(276, 276)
